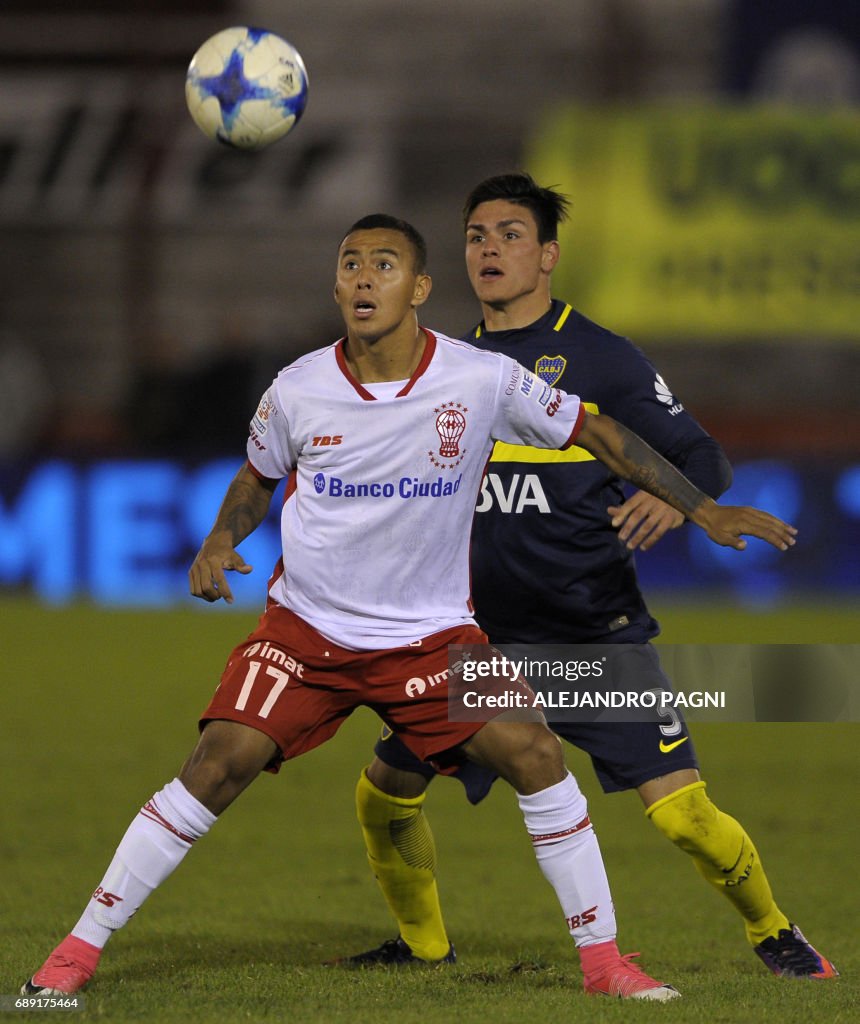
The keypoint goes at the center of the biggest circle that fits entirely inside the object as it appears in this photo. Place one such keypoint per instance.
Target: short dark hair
(385, 220)
(547, 205)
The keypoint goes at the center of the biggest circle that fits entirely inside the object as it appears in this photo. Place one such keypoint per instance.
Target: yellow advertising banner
(712, 222)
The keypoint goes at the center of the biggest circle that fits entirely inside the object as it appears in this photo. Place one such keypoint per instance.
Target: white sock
(569, 856)
(154, 845)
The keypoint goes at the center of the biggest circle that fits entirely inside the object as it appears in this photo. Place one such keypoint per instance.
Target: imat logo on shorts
(420, 684)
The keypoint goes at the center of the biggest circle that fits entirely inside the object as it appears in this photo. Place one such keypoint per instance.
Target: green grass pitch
(99, 709)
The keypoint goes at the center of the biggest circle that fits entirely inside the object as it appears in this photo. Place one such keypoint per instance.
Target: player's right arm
(243, 509)
(631, 458)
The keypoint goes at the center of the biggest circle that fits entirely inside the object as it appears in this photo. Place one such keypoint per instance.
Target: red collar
(426, 356)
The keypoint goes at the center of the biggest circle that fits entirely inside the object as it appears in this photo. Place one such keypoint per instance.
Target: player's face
(504, 259)
(377, 287)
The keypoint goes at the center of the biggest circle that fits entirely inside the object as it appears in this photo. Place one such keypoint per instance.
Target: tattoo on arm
(650, 471)
(244, 507)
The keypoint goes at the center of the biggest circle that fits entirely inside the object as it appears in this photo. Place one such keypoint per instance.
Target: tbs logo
(319, 483)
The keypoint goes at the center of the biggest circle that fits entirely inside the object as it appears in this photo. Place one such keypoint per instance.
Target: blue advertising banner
(124, 532)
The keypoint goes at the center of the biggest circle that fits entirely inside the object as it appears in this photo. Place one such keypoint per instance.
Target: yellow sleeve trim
(504, 452)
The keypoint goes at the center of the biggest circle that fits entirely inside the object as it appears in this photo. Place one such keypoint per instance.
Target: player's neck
(521, 312)
(393, 357)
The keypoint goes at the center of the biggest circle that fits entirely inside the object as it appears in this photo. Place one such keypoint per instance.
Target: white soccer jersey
(376, 532)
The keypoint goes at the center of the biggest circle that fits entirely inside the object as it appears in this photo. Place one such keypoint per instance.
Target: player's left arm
(633, 459)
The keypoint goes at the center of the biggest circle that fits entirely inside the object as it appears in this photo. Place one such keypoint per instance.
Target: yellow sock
(402, 855)
(724, 855)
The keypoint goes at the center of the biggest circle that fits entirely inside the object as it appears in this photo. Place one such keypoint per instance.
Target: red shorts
(287, 681)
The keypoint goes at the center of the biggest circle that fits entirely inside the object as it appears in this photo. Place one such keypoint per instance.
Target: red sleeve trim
(258, 474)
(292, 484)
(580, 419)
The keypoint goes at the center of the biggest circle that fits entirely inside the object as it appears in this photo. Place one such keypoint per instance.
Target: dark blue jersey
(547, 564)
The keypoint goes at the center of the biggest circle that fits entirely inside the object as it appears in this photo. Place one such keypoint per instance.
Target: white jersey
(376, 531)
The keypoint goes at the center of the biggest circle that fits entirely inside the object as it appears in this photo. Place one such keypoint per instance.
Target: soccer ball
(246, 87)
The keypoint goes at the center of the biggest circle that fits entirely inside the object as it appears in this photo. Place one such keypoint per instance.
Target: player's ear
(549, 257)
(423, 287)
(336, 299)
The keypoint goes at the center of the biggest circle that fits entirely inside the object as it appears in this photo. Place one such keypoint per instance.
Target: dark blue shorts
(624, 754)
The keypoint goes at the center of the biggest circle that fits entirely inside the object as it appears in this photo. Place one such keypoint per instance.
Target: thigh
(279, 683)
(408, 687)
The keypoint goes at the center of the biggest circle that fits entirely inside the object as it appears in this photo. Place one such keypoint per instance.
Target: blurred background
(152, 283)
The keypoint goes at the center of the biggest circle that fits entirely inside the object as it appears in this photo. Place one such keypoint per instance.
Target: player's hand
(643, 520)
(726, 524)
(206, 577)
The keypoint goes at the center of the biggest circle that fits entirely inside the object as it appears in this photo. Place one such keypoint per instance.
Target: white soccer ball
(246, 87)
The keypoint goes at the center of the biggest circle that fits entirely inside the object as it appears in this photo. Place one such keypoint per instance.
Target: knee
(545, 748)
(395, 782)
(686, 817)
(377, 809)
(206, 770)
(226, 759)
(535, 762)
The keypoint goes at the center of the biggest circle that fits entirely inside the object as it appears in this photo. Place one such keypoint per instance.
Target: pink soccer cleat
(66, 970)
(625, 980)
